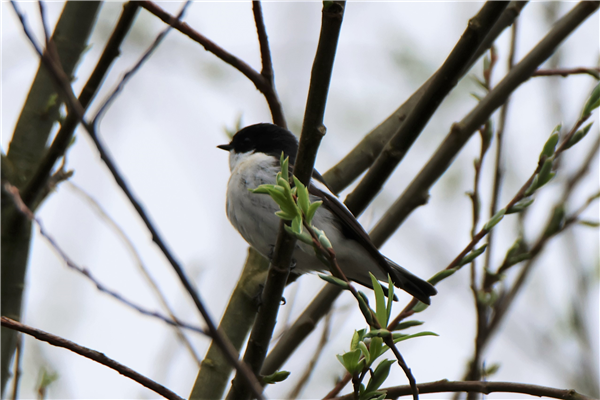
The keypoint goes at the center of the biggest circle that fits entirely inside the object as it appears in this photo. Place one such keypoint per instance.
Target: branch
(340, 176)
(267, 66)
(310, 138)
(92, 355)
(22, 207)
(441, 84)
(485, 388)
(64, 136)
(365, 153)
(259, 81)
(564, 72)
(460, 133)
(74, 106)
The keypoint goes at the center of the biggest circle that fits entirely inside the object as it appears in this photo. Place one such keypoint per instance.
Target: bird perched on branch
(254, 160)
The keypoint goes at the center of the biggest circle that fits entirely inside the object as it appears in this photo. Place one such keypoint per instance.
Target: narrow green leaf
(380, 306)
(262, 189)
(365, 352)
(440, 276)
(363, 304)
(390, 299)
(593, 102)
(302, 194)
(312, 209)
(533, 187)
(545, 171)
(399, 337)
(577, 136)
(379, 375)
(407, 324)
(520, 206)
(297, 224)
(284, 162)
(376, 348)
(556, 222)
(420, 306)
(592, 224)
(472, 255)
(494, 220)
(334, 280)
(550, 145)
(355, 339)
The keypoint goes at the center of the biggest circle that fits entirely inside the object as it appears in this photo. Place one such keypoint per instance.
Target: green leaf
(420, 306)
(533, 187)
(284, 216)
(303, 237)
(263, 189)
(472, 255)
(556, 222)
(278, 376)
(297, 224)
(577, 136)
(491, 370)
(407, 324)
(352, 361)
(494, 220)
(390, 299)
(592, 224)
(312, 209)
(380, 306)
(550, 145)
(440, 276)
(285, 163)
(302, 194)
(356, 337)
(379, 375)
(365, 352)
(545, 173)
(376, 348)
(400, 337)
(520, 206)
(334, 280)
(363, 304)
(593, 102)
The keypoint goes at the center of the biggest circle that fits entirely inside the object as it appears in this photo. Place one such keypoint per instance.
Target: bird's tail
(412, 284)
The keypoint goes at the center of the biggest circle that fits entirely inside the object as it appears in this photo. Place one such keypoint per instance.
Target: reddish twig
(92, 355)
(564, 72)
(485, 388)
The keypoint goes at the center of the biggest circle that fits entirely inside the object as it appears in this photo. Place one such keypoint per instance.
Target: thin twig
(564, 72)
(485, 388)
(295, 392)
(129, 74)
(267, 66)
(74, 106)
(138, 261)
(22, 207)
(92, 355)
(259, 81)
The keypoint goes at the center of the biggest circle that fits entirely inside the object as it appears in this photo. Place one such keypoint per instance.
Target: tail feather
(412, 284)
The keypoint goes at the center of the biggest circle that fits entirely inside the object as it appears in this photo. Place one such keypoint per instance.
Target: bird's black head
(264, 138)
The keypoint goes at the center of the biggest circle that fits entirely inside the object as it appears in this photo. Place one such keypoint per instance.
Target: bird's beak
(226, 147)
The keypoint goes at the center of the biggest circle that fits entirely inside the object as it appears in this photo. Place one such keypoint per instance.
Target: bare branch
(92, 355)
(461, 132)
(484, 387)
(564, 72)
(442, 83)
(74, 106)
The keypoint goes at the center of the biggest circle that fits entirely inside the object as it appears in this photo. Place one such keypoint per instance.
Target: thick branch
(462, 131)
(310, 138)
(442, 83)
(365, 153)
(92, 355)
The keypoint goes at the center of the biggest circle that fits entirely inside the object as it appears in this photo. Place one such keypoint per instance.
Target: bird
(254, 160)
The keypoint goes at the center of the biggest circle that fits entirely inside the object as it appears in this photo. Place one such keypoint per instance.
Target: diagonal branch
(92, 355)
(263, 85)
(310, 138)
(461, 132)
(73, 105)
(441, 84)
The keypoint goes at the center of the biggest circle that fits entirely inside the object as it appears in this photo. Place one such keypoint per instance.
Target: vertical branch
(267, 67)
(312, 133)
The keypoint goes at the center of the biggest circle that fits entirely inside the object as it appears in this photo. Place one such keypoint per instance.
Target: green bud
(440, 276)
(334, 280)
(324, 241)
(577, 136)
(494, 220)
(472, 255)
(520, 206)
(593, 102)
(278, 376)
(382, 333)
